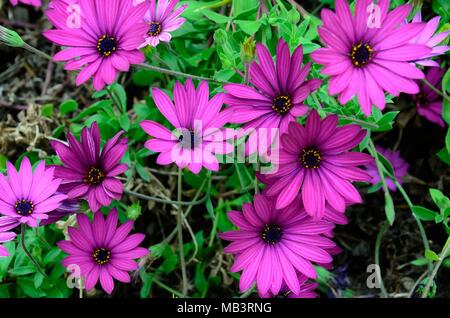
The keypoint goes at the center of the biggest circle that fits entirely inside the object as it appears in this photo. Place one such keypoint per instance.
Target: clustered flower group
(287, 230)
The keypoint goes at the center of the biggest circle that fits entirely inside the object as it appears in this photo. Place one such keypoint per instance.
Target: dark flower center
(154, 29)
(281, 104)
(310, 158)
(101, 256)
(24, 207)
(188, 139)
(106, 45)
(94, 176)
(422, 100)
(271, 234)
(361, 54)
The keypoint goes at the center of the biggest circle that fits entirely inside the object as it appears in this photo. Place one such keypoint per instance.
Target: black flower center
(94, 176)
(101, 256)
(310, 158)
(361, 54)
(281, 104)
(271, 234)
(154, 29)
(188, 139)
(24, 207)
(106, 45)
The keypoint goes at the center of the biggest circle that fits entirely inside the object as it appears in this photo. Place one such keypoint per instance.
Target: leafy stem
(32, 259)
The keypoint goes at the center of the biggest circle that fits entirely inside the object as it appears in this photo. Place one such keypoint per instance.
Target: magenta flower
(161, 19)
(367, 58)
(330, 214)
(35, 3)
(307, 290)
(279, 93)
(428, 38)
(398, 163)
(6, 224)
(101, 36)
(273, 246)
(198, 122)
(28, 196)
(89, 172)
(316, 161)
(428, 103)
(102, 250)
(68, 207)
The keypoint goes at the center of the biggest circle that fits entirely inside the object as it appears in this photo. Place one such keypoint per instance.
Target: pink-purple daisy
(273, 246)
(399, 165)
(28, 196)
(198, 123)
(428, 103)
(366, 58)
(277, 97)
(102, 250)
(162, 18)
(7, 223)
(316, 160)
(101, 39)
(88, 171)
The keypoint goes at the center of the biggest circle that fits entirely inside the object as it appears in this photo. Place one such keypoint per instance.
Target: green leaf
(444, 155)
(387, 164)
(27, 286)
(432, 256)
(389, 208)
(23, 270)
(67, 107)
(47, 110)
(439, 198)
(419, 262)
(249, 27)
(216, 17)
(424, 213)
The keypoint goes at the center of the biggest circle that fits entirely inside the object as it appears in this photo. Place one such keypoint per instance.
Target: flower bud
(10, 37)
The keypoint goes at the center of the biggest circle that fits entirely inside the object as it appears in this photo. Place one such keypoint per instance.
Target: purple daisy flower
(102, 250)
(28, 196)
(161, 19)
(366, 60)
(89, 172)
(278, 95)
(7, 223)
(330, 215)
(198, 122)
(398, 163)
(273, 246)
(307, 290)
(102, 37)
(428, 103)
(317, 161)
(430, 39)
(68, 207)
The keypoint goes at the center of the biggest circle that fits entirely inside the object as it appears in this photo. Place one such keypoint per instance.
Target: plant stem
(380, 168)
(156, 199)
(38, 267)
(158, 69)
(180, 233)
(34, 50)
(423, 234)
(380, 235)
(169, 289)
(436, 269)
(360, 122)
(435, 89)
(176, 73)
